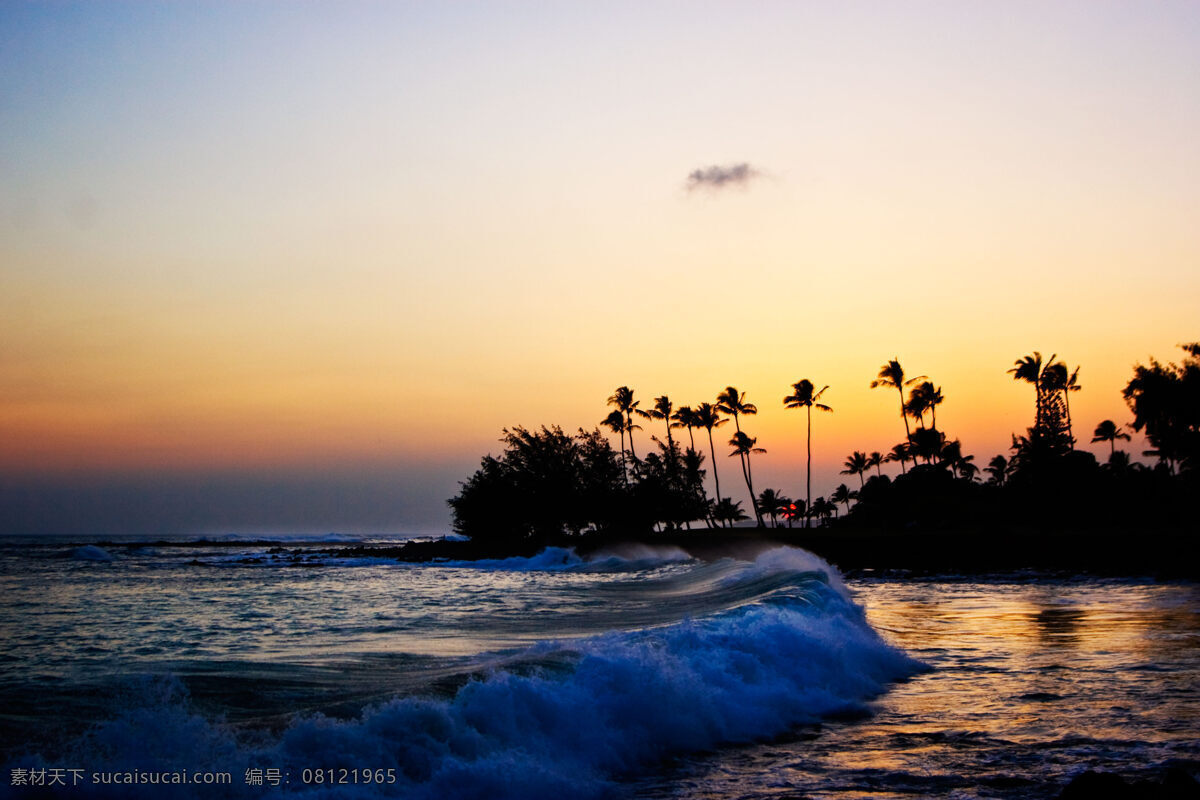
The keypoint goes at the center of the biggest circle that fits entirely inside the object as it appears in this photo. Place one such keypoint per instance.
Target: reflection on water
(1058, 626)
(1033, 682)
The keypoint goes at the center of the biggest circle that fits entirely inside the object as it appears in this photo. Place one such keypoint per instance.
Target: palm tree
(743, 446)
(856, 464)
(770, 502)
(823, 508)
(891, 374)
(1056, 378)
(875, 460)
(997, 469)
(926, 443)
(802, 396)
(662, 410)
(728, 511)
(615, 422)
(685, 417)
(952, 456)
(930, 398)
(1029, 369)
(1109, 431)
(917, 404)
(966, 469)
(622, 398)
(900, 452)
(733, 403)
(708, 417)
(843, 494)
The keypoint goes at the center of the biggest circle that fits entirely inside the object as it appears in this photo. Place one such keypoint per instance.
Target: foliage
(1165, 401)
(547, 484)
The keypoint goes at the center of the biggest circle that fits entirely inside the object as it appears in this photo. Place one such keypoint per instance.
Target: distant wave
(637, 557)
(792, 648)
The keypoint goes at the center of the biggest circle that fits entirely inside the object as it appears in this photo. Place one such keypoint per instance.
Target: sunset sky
(293, 266)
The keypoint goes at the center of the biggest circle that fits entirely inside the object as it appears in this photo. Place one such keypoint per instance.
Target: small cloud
(719, 177)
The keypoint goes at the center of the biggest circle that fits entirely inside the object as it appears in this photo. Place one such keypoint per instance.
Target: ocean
(256, 669)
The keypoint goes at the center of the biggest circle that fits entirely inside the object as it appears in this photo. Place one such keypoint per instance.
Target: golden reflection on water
(1031, 682)
(1037, 662)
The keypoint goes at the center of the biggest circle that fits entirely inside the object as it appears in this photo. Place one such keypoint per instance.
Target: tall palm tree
(1109, 431)
(662, 410)
(685, 417)
(803, 396)
(708, 417)
(875, 460)
(891, 375)
(856, 464)
(733, 403)
(615, 422)
(743, 446)
(622, 398)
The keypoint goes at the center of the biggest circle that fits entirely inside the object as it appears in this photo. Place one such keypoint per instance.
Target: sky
(294, 266)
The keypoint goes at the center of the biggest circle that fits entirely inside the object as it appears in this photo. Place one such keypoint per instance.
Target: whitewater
(296, 671)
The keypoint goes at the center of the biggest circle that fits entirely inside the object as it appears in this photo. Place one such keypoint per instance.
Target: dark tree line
(547, 484)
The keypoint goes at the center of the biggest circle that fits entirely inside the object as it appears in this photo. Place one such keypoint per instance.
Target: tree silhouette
(997, 469)
(926, 443)
(622, 398)
(708, 417)
(875, 460)
(924, 397)
(1057, 379)
(891, 375)
(1109, 431)
(917, 404)
(615, 422)
(743, 446)
(1049, 438)
(662, 410)
(771, 502)
(685, 417)
(856, 464)
(823, 509)
(951, 456)
(729, 512)
(802, 396)
(843, 494)
(1029, 369)
(900, 452)
(1165, 401)
(733, 403)
(967, 469)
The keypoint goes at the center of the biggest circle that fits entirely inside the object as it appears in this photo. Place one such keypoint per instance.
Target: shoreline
(1161, 553)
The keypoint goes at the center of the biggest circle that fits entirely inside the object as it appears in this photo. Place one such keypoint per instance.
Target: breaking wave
(577, 716)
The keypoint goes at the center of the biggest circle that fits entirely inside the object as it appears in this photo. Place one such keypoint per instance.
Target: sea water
(135, 669)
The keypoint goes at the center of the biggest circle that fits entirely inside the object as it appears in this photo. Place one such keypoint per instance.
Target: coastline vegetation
(550, 486)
